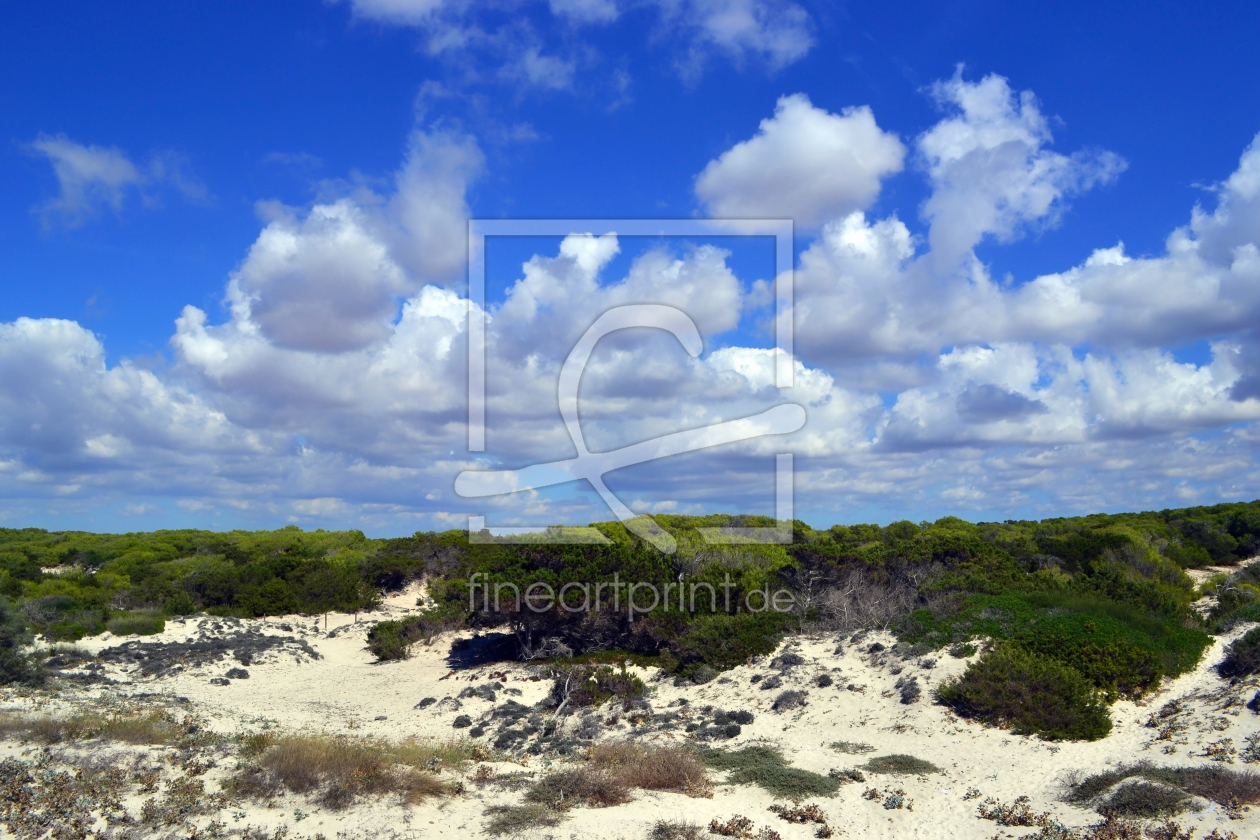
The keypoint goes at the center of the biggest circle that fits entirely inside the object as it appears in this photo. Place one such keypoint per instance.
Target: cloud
(585, 11)
(324, 282)
(990, 173)
(331, 280)
(776, 32)
(804, 164)
(541, 71)
(335, 390)
(92, 177)
(409, 12)
(89, 176)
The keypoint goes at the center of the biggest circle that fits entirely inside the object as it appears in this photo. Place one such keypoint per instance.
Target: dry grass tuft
(336, 770)
(152, 727)
(653, 768)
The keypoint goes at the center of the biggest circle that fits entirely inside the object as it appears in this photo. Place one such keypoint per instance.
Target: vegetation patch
(767, 768)
(646, 767)
(901, 765)
(516, 819)
(671, 830)
(1029, 694)
(1219, 784)
(1147, 799)
(336, 770)
(1242, 657)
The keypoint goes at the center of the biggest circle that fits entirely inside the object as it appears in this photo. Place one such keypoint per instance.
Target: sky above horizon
(233, 256)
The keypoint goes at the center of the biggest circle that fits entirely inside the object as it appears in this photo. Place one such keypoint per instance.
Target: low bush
(901, 765)
(1147, 799)
(516, 819)
(789, 700)
(1218, 784)
(1242, 657)
(910, 690)
(1030, 694)
(392, 640)
(767, 768)
(591, 786)
(581, 686)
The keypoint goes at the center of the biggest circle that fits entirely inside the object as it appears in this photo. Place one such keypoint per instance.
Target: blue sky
(971, 339)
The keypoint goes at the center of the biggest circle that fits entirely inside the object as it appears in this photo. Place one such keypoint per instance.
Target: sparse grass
(335, 770)
(767, 768)
(579, 786)
(152, 727)
(515, 819)
(851, 747)
(652, 767)
(901, 765)
(664, 830)
(606, 778)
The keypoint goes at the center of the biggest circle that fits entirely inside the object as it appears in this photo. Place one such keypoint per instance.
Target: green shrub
(1218, 784)
(1242, 657)
(901, 765)
(593, 686)
(388, 642)
(1146, 799)
(767, 768)
(181, 603)
(135, 624)
(15, 666)
(392, 640)
(1030, 694)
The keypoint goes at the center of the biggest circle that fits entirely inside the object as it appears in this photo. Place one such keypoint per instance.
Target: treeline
(1104, 595)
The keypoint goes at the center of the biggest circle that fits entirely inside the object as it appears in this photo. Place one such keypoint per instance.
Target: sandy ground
(344, 691)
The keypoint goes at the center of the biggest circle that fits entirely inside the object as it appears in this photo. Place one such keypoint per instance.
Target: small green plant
(963, 650)
(1251, 751)
(851, 747)
(901, 765)
(767, 768)
(666, 830)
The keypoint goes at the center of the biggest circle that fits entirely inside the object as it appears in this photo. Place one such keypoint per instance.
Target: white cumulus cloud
(804, 164)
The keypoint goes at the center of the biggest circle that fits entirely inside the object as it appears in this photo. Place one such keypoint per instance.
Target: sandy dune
(341, 690)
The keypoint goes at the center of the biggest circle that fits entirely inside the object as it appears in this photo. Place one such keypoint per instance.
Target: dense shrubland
(1101, 601)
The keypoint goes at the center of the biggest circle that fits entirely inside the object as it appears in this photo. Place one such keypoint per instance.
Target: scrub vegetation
(1096, 606)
